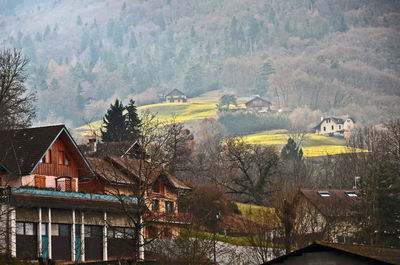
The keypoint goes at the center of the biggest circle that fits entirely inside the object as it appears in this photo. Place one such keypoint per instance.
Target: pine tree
(291, 151)
(132, 121)
(114, 124)
(79, 21)
(379, 212)
(132, 41)
(261, 84)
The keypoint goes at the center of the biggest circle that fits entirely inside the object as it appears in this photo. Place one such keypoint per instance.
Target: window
(27, 229)
(169, 206)
(155, 205)
(47, 157)
(332, 127)
(324, 129)
(44, 229)
(40, 181)
(158, 187)
(120, 232)
(61, 158)
(340, 127)
(67, 163)
(54, 230)
(324, 194)
(351, 193)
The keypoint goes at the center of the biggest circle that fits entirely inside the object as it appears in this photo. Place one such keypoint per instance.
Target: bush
(241, 123)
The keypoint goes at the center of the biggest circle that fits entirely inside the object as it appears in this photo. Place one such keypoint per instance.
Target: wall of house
(330, 127)
(54, 168)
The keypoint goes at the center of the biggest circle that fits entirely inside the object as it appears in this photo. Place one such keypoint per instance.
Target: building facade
(42, 212)
(175, 96)
(332, 126)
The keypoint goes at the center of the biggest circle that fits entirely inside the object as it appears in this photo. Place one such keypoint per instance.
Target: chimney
(356, 183)
(322, 118)
(93, 145)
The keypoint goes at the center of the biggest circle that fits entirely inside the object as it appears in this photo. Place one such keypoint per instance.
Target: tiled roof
(118, 169)
(258, 98)
(337, 204)
(175, 92)
(21, 150)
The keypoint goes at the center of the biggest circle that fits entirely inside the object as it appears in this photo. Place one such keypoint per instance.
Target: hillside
(335, 57)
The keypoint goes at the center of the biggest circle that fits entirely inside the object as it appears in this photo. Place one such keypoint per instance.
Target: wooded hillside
(337, 57)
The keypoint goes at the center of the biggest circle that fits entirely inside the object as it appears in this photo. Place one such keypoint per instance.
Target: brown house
(175, 96)
(116, 175)
(258, 104)
(42, 213)
(327, 212)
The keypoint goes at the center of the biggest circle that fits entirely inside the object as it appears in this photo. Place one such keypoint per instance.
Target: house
(258, 104)
(326, 213)
(42, 212)
(175, 96)
(344, 254)
(118, 175)
(335, 126)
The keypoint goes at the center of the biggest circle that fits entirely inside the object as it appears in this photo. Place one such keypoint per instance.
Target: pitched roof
(371, 254)
(121, 170)
(334, 119)
(21, 150)
(258, 98)
(175, 92)
(337, 204)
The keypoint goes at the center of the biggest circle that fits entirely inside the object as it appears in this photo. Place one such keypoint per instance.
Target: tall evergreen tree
(261, 84)
(291, 151)
(132, 121)
(114, 124)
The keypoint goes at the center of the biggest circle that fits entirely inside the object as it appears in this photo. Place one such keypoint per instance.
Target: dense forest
(312, 56)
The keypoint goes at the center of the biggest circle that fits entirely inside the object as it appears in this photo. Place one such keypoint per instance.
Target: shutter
(73, 185)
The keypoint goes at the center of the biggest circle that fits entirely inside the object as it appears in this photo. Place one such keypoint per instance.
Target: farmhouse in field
(175, 96)
(332, 126)
(326, 213)
(258, 104)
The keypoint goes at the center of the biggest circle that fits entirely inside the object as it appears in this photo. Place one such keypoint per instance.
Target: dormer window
(324, 194)
(351, 194)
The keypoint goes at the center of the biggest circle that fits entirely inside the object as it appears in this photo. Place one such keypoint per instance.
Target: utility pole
(217, 216)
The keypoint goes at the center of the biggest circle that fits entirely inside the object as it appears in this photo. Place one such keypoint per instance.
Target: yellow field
(313, 145)
(324, 150)
(182, 112)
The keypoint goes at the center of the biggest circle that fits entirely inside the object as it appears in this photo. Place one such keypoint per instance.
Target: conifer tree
(132, 121)
(114, 123)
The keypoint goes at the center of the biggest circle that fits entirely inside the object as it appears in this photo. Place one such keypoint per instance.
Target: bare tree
(249, 170)
(16, 102)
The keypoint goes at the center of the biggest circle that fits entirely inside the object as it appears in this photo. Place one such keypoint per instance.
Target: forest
(330, 57)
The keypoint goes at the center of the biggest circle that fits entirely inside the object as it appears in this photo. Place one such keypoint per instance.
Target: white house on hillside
(332, 126)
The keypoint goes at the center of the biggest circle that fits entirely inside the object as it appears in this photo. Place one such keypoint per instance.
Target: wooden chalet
(43, 214)
(175, 96)
(117, 175)
(258, 104)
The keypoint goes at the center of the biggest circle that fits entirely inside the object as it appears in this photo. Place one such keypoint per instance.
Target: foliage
(291, 151)
(226, 100)
(246, 122)
(120, 126)
(16, 101)
(379, 214)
